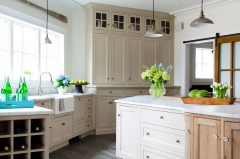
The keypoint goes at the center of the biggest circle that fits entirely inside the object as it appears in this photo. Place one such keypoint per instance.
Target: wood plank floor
(90, 147)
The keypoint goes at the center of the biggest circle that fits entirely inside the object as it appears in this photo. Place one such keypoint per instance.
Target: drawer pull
(147, 133)
(129, 78)
(225, 139)
(89, 116)
(161, 117)
(42, 103)
(88, 107)
(108, 78)
(109, 102)
(177, 141)
(187, 131)
(88, 126)
(110, 92)
(79, 99)
(112, 78)
(140, 92)
(89, 100)
(147, 156)
(63, 123)
(215, 137)
(118, 114)
(167, 91)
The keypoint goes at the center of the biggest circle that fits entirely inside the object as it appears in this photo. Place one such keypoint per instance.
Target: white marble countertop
(52, 96)
(229, 111)
(25, 111)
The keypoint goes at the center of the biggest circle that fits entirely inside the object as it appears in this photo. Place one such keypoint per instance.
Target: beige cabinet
(188, 137)
(119, 22)
(45, 104)
(101, 20)
(231, 140)
(118, 59)
(78, 112)
(127, 132)
(62, 129)
(78, 127)
(148, 23)
(135, 66)
(206, 138)
(166, 27)
(135, 24)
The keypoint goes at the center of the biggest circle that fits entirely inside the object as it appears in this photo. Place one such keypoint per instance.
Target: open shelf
(5, 128)
(37, 125)
(5, 157)
(20, 127)
(37, 142)
(5, 142)
(37, 155)
(20, 143)
(20, 156)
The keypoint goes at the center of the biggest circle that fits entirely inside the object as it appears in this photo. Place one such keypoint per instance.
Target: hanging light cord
(202, 6)
(47, 19)
(153, 9)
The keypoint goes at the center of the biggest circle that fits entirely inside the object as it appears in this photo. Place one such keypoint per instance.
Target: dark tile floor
(90, 147)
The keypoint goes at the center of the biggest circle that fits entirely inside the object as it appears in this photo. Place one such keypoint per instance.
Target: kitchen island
(167, 128)
(24, 133)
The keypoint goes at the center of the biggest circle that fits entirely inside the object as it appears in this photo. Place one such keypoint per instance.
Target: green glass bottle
(23, 95)
(7, 93)
(18, 90)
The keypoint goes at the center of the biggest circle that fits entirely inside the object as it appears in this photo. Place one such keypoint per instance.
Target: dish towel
(61, 105)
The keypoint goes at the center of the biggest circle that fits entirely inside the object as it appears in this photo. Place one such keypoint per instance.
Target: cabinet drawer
(163, 117)
(88, 100)
(164, 137)
(87, 108)
(152, 153)
(43, 104)
(170, 91)
(78, 99)
(136, 91)
(88, 117)
(110, 92)
(88, 126)
(78, 127)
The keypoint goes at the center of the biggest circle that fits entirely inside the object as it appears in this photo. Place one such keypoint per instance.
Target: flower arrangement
(158, 76)
(62, 81)
(220, 89)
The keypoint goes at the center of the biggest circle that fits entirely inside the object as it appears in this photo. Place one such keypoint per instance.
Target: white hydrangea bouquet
(220, 89)
(158, 76)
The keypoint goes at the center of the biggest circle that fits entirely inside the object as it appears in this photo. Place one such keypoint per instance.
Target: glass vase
(157, 90)
(220, 93)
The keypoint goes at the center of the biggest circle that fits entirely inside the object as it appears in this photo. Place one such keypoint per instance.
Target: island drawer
(88, 117)
(110, 92)
(88, 126)
(159, 116)
(152, 153)
(136, 91)
(88, 100)
(171, 91)
(43, 104)
(163, 137)
(87, 108)
(78, 99)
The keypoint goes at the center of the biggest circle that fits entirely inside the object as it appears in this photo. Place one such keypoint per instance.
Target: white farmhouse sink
(66, 101)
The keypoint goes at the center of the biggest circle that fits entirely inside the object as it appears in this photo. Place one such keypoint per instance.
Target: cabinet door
(101, 20)
(166, 27)
(206, 139)
(150, 53)
(118, 54)
(187, 137)
(78, 108)
(103, 112)
(78, 127)
(114, 111)
(67, 127)
(135, 24)
(101, 59)
(57, 132)
(127, 132)
(166, 58)
(148, 23)
(135, 66)
(231, 138)
(47, 105)
(119, 22)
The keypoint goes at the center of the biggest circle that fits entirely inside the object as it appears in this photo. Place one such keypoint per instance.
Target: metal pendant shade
(153, 33)
(202, 22)
(47, 40)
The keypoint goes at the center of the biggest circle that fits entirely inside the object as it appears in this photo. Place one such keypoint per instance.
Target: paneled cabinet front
(78, 112)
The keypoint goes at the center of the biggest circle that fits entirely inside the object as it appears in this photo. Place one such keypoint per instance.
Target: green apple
(84, 81)
(80, 81)
(72, 81)
(76, 81)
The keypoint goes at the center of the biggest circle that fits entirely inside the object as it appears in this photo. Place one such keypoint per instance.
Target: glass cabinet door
(135, 24)
(148, 23)
(165, 26)
(101, 20)
(118, 22)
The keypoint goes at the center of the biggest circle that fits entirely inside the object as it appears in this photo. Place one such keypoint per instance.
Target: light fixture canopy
(153, 33)
(47, 40)
(202, 22)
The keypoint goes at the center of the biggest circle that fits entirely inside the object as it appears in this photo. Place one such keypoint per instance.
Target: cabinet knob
(110, 92)
(118, 114)
(89, 100)
(88, 107)
(89, 116)
(129, 78)
(147, 156)
(108, 24)
(167, 91)
(63, 123)
(147, 133)
(140, 92)
(88, 126)
(79, 99)
(42, 103)
(108, 78)
(225, 139)
(215, 137)
(112, 78)
(177, 141)
(187, 130)
(161, 117)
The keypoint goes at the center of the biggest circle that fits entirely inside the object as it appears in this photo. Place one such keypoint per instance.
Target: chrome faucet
(40, 89)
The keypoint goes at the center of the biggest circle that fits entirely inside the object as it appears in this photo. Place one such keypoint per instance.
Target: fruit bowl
(80, 83)
(208, 101)
(78, 87)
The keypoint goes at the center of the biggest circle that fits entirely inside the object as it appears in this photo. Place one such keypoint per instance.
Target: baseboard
(105, 131)
(56, 147)
(87, 134)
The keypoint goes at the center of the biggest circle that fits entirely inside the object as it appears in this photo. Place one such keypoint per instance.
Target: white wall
(226, 22)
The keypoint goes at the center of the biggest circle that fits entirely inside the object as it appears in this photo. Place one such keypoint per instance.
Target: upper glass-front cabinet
(135, 24)
(118, 22)
(101, 20)
(148, 23)
(166, 26)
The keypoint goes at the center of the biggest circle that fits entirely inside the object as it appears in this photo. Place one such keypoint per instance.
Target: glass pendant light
(47, 40)
(153, 33)
(201, 21)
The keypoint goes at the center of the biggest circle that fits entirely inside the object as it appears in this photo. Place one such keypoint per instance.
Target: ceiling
(167, 6)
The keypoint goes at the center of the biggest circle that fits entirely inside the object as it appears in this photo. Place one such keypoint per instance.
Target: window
(204, 63)
(22, 48)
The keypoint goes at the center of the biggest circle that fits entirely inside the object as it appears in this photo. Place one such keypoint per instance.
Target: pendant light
(153, 33)
(47, 40)
(201, 21)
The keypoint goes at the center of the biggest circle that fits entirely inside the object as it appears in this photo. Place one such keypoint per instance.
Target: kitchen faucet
(40, 89)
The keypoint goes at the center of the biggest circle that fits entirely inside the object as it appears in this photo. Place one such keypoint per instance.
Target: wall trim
(27, 18)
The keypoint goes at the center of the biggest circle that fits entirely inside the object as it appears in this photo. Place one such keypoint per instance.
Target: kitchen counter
(175, 103)
(25, 111)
